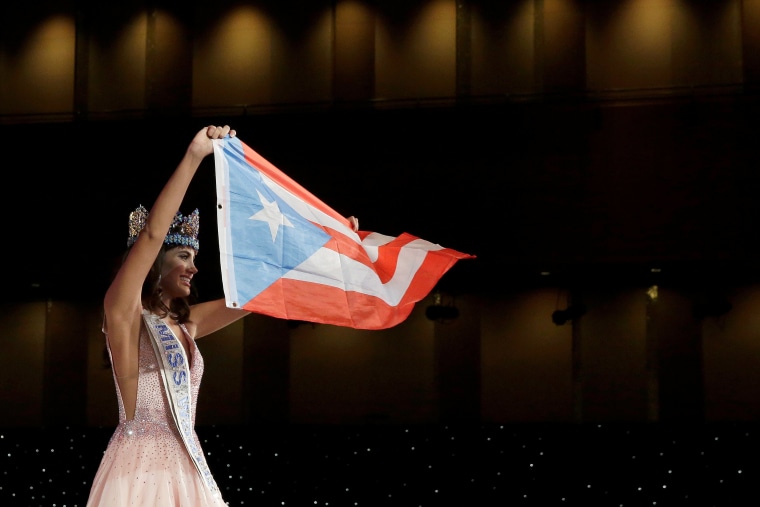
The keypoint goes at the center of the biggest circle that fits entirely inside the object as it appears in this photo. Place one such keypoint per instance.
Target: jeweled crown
(182, 231)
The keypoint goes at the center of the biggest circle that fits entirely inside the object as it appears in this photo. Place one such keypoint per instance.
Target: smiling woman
(154, 456)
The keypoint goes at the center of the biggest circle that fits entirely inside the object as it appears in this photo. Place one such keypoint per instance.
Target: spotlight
(572, 312)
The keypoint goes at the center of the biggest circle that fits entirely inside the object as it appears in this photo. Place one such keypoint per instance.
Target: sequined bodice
(149, 462)
(152, 405)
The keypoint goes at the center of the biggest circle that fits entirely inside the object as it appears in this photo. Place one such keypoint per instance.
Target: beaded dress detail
(146, 463)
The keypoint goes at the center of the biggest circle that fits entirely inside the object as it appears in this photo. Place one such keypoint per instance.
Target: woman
(154, 457)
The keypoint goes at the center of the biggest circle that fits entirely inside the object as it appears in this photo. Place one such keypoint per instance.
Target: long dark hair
(179, 308)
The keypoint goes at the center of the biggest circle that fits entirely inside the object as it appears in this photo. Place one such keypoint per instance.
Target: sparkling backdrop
(427, 465)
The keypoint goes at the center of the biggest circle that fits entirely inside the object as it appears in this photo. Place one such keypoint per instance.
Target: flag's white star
(272, 215)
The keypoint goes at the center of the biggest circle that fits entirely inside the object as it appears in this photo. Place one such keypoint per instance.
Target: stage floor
(420, 466)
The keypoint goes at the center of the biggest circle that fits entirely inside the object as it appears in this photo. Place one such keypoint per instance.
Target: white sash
(175, 373)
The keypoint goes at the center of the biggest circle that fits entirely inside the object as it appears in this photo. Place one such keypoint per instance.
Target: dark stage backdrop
(593, 190)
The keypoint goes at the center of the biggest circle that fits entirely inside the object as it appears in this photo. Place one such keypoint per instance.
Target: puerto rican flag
(286, 254)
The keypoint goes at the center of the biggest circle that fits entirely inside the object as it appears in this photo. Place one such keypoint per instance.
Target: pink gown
(146, 463)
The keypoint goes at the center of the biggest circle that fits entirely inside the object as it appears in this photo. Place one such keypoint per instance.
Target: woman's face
(177, 271)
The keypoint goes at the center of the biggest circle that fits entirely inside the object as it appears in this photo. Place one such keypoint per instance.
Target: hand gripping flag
(286, 254)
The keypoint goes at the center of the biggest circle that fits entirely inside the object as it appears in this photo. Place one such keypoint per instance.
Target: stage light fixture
(572, 312)
(440, 312)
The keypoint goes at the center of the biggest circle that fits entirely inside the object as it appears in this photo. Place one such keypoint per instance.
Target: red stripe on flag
(387, 254)
(344, 245)
(322, 304)
(313, 302)
(436, 264)
(289, 184)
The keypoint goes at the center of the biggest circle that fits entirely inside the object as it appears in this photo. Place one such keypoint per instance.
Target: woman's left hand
(202, 144)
